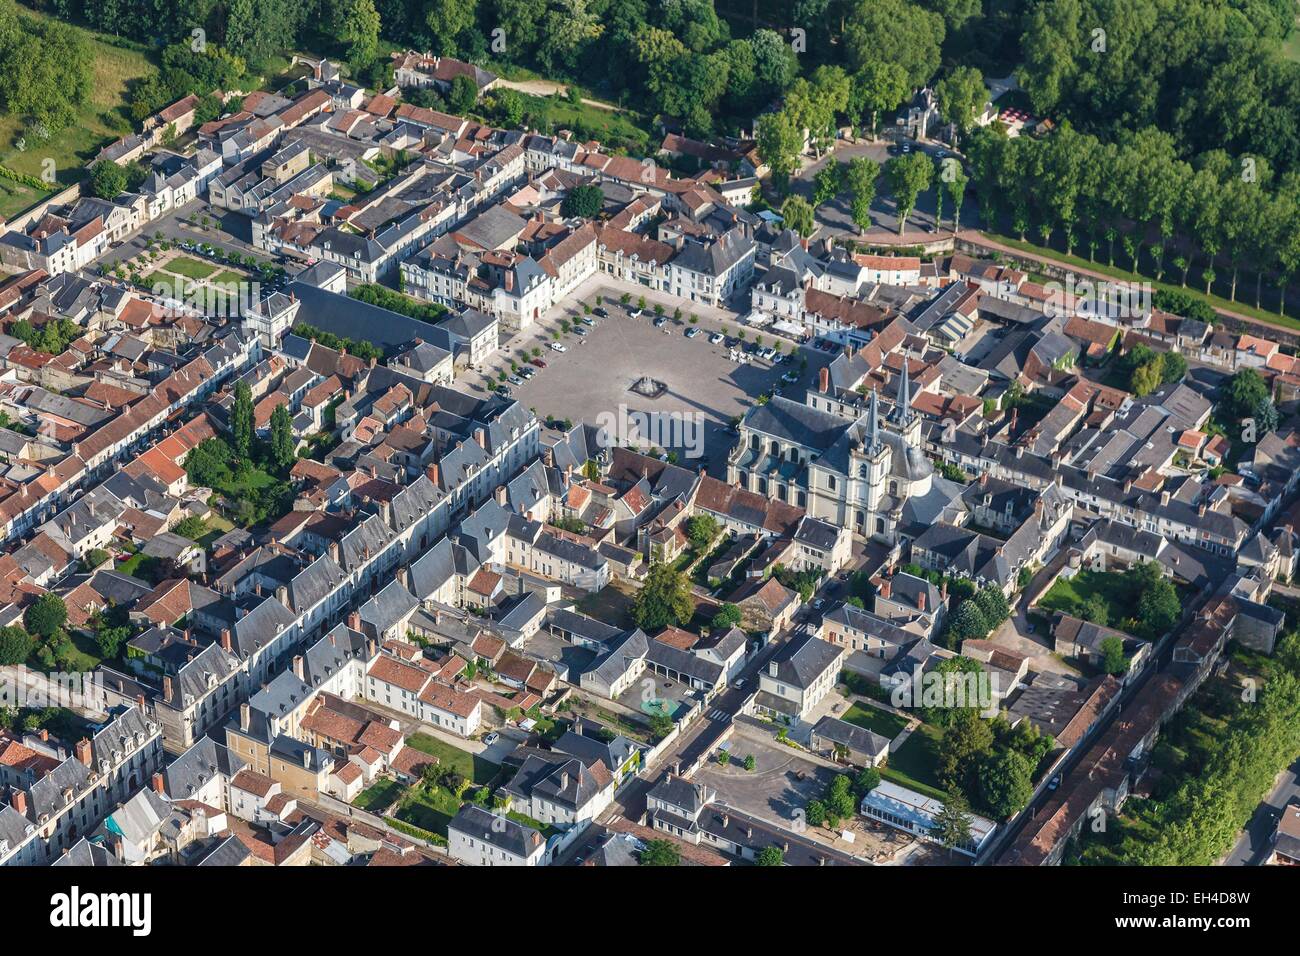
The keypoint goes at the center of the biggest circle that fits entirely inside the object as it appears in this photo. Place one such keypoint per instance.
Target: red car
(539, 363)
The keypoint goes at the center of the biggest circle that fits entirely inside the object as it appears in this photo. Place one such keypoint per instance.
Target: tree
(951, 827)
(1113, 660)
(908, 177)
(961, 96)
(283, 444)
(966, 738)
(827, 183)
(447, 20)
(770, 856)
(799, 216)
(1006, 782)
(867, 780)
(94, 558)
(661, 725)
(660, 853)
(107, 179)
(894, 31)
(728, 616)
(463, 96)
(701, 529)
(509, 107)
(879, 87)
(993, 605)
(815, 813)
(45, 615)
(111, 639)
(192, 527)
(780, 141)
(359, 33)
(664, 599)
(1095, 610)
(1158, 608)
(952, 181)
(584, 201)
(15, 645)
(862, 176)
(967, 623)
(750, 762)
(241, 419)
(839, 796)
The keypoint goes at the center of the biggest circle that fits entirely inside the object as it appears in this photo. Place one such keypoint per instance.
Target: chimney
(823, 380)
(726, 820)
(886, 588)
(225, 640)
(510, 281)
(19, 800)
(373, 361)
(404, 577)
(432, 472)
(500, 495)
(83, 751)
(306, 758)
(943, 590)
(1200, 509)
(282, 595)
(1128, 485)
(158, 787)
(167, 688)
(772, 668)
(354, 621)
(139, 702)
(920, 602)
(245, 716)
(298, 668)
(480, 436)
(1164, 498)
(335, 554)
(44, 734)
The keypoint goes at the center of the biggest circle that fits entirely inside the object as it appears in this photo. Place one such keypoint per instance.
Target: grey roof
(191, 771)
(852, 736)
(803, 659)
(497, 829)
(388, 607)
(85, 853)
(231, 851)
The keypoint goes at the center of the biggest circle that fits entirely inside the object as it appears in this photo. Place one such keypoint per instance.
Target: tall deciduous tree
(241, 419)
(908, 176)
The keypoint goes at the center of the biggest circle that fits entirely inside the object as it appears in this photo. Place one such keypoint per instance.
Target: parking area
(781, 783)
(696, 383)
(653, 694)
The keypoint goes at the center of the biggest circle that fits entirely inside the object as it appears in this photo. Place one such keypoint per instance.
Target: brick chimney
(225, 640)
(480, 436)
(245, 716)
(432, 472)
(824, 380)
(19, 801)
(167, 688)
(886, 588)
(298, 667)
(920, 602)
(501, 495)
(83, 751)
(158, 787)
(354, 621)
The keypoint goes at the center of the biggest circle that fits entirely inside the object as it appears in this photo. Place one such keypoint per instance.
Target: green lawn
(117, 64)
(429, 808)
(379, 796)
(914, 764)
(1070, 594)
(190, 268)
(226, 277)
(468, 765)
(873, 718)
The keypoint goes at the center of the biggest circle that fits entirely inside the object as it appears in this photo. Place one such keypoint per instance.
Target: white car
(716, 338)
(558, 347)
(491, 738)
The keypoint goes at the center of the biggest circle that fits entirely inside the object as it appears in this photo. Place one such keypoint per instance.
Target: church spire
(903, 411)
(873, 425)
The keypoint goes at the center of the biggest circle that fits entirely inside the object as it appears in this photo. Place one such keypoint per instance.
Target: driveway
(1256, 840)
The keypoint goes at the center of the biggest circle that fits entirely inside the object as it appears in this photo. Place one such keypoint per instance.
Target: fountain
(648, 387)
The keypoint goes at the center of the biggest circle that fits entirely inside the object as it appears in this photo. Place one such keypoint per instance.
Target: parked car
(598, 311)
(491, 738)
(660, 321)
(539, 363)
(790, 377)
(717, 338)
(558, 347)
(586, 320)
(1054, 782)
(527, 371)
(504, 391)
(516, 380)
(579, 330)
(692, 332)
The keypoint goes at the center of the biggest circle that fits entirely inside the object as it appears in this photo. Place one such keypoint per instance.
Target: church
(868, 474)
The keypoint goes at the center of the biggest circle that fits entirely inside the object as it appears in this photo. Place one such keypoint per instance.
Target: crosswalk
(718, 714)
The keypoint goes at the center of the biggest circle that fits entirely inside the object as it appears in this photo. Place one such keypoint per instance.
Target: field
(462, 761)
(913, 764)
(118, 64)
(1070, 594)
(874, 719)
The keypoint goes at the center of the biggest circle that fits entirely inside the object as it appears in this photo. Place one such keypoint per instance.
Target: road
(1257, 838)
